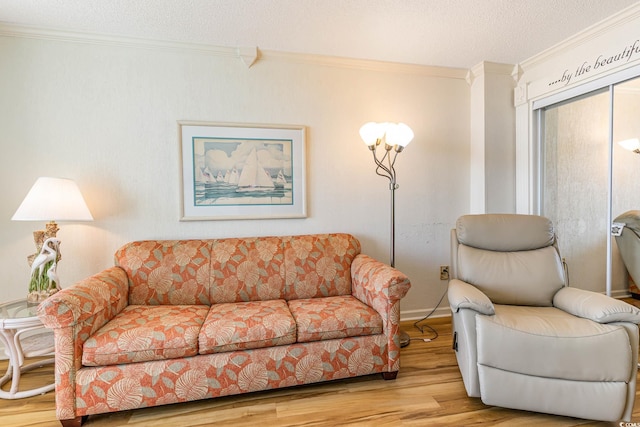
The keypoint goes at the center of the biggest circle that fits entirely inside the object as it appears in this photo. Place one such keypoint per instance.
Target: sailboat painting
(243, 175)
(242, 172)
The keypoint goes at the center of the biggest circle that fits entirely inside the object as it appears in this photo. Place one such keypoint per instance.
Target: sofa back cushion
(250, 269)
(319, 265)
(172, 272)
(238, 269)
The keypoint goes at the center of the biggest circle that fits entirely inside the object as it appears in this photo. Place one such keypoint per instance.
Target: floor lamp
(394, 137)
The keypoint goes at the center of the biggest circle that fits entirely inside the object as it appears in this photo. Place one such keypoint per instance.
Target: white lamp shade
(53, 199)
(630, 144)
(399, 134)
(372, 132)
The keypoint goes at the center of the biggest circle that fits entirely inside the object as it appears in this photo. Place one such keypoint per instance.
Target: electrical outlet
(444, 272)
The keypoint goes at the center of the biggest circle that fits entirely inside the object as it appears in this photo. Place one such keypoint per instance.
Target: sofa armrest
(101, 297)
(74, 314)
(377, 284)
(597, 307)
(464, 295)
(381, 287)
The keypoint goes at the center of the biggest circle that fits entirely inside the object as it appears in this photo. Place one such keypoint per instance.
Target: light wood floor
(428, 391)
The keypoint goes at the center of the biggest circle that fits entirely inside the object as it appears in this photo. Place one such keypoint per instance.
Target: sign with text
(601, 62)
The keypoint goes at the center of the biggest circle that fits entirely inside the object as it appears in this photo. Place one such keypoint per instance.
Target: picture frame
(242, 171)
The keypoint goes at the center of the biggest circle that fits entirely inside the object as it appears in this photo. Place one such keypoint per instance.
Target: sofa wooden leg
(74, 422)
(390, 375)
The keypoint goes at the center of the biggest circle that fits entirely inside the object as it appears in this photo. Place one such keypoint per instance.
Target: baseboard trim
(421, 314)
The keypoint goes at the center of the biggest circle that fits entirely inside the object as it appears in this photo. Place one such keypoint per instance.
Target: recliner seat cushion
(142, 333)
(547, 342)
(247, 325)
(334, 317)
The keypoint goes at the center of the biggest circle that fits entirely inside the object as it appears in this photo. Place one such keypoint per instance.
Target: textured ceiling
(453, 33)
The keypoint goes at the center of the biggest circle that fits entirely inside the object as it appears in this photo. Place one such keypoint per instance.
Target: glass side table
(18, 318)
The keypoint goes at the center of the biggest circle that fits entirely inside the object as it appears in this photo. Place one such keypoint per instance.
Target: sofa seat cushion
(334, 317)
(247, 325)
(548, 342)
(141, 333)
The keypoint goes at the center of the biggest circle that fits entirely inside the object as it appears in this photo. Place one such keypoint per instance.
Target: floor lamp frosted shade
(399, 136)
(50, 199)
(393, 137)
(632, 144)
(372, 133)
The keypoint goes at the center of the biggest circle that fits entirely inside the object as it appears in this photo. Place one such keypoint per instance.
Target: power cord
(422, 328)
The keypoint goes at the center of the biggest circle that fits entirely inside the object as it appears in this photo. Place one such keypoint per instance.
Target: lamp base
(36, 297)
(404, 339)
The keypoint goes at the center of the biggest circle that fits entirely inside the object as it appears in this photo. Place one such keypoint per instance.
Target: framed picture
(242, 171)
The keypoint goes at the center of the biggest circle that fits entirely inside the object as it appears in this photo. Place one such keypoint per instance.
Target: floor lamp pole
(392, 240)
(404, 337)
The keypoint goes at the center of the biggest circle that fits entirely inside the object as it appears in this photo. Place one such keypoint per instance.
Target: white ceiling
(453, 33)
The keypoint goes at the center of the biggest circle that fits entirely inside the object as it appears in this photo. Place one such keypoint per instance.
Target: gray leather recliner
(629, 245)
(525, 340)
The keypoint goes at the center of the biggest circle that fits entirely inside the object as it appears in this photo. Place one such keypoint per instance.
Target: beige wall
(105, 113)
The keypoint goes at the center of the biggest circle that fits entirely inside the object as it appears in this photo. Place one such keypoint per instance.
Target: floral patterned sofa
(181, 320)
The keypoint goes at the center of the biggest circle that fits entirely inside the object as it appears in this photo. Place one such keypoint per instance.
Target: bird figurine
(54, 280)
(45, 263)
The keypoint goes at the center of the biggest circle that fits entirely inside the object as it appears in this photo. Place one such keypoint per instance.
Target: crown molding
(487, 67)
(248, 54)
(365, 64)
(495, 68)
(10, 30)
(630, 13)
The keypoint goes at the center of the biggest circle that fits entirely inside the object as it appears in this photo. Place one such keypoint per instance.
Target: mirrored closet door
(587, 179)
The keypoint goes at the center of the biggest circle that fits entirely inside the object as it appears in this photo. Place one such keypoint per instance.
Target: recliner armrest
(597, 307)
(463, 295)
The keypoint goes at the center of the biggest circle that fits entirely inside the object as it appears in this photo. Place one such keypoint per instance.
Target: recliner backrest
(512, 258)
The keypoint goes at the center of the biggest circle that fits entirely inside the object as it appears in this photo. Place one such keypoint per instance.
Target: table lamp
(50, 199)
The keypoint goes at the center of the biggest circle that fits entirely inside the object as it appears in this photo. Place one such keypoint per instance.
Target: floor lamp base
(404, 339)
